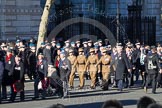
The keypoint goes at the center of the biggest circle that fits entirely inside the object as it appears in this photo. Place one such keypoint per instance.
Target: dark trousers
(36, 91)
(4, 92)
(151, 78)
(0, 91)
(31, 72)
(144, 77)
(65, 88)
(159, 79)
(97, 80)
(137, 74)
(120, 84)
(100, 75)
(129, 79)
(13, 95)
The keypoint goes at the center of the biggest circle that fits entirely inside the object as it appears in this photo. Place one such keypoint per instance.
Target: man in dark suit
(18, 75)
(41, 75)
(47, 53)
(32, 62)
(121, 66)
(8, 72)
(1, 74)
(65, 69)
(152, 66)
(136, 60)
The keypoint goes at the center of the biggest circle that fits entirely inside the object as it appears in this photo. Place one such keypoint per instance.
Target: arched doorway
(93, 22)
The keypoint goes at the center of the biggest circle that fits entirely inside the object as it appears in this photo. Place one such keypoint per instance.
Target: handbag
(43, 84)
(18, 86)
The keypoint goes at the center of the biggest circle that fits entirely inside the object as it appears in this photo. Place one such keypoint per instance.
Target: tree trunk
(44, 23)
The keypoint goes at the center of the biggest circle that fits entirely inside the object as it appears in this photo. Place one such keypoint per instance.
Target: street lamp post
(118, 18)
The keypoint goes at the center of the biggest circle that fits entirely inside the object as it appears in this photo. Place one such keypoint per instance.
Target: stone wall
(153, 8)
(19, 18)
(111, 7)
(150, 8)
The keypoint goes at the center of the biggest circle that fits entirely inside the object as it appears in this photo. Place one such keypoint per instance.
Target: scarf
(8, 57)
(39, 63)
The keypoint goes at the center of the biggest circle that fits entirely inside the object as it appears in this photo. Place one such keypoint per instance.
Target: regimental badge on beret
(71, 51)
(80, 50)
(91, 50)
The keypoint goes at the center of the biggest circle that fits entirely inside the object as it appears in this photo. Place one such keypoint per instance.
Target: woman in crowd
(18, 76)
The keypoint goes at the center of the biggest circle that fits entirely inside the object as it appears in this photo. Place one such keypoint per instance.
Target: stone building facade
(22, 17)
(19, 18)
(149, 8)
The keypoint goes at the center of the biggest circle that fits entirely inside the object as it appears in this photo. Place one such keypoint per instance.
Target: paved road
(85, 98)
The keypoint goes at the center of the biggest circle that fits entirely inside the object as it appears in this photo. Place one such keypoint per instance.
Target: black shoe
(22, 100)
(120, 90)
(43, 98)
(35, 98)
(153, 92)
(4, 98)
(80, 87)
(159, 86)
(114, 86)
(71, 87)
(12, 100)
(64, 97)
(92, 87)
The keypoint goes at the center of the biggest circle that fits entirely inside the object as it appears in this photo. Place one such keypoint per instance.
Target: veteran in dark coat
(65, 69)
(41, 75)
(47, 54)
(153, 67)
(7, 79)
(1, 74)
(32, 61)
(18, 75)
(122, 66)
(136, 60)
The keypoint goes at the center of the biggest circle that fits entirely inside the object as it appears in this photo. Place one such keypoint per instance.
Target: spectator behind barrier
(57, 106)
(155, 106)
(112, 104)
(145, 101)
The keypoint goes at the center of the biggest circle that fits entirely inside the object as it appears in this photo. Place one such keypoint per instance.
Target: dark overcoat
(64, 73)
(8, 71)
(121, 66)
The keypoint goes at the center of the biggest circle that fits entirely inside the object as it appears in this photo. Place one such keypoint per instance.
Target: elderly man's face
(40, 57)
(48, 46)
(73, 45)
(78, 44)
(18, 44)
(67, 49)
(100, 44)
(58, 52)
(53, 44)
(119, 49)
(90, 44)
(62, 55)
(85, 45)
(67, 44)
(58, 46)
(138, 46)
(114, 50)
(17, 58)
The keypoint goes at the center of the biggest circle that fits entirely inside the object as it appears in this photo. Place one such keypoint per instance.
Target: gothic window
(138, 2)
(99, 6)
